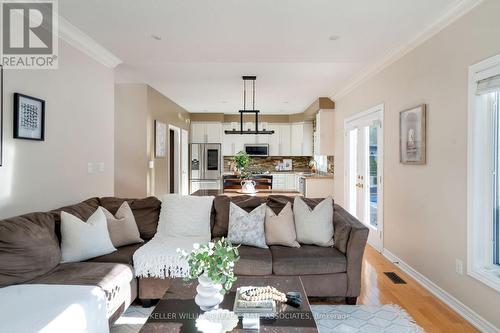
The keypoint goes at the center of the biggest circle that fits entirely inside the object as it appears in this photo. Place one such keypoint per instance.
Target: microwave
(257, 149)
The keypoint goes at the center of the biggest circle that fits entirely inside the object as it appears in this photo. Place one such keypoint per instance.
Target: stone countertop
(319, 176)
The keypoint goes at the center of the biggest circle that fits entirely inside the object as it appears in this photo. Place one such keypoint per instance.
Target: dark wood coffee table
(177, 311)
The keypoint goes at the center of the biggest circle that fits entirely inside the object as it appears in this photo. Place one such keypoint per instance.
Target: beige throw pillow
(314, 226)
(122, 227)
(280, 229)
(82, 240)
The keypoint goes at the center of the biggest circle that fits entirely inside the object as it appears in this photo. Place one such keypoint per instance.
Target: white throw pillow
(314, 226)
(185, 216)
(122, 227)
(280, 229)
(247, 228)
(84, 240)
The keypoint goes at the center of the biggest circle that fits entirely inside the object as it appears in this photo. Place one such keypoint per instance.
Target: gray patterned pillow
(247, 228)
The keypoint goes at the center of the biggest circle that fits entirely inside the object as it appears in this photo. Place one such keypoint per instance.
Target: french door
(363, 171)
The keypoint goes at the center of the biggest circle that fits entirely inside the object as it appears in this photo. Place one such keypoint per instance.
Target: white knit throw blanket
(159, 257)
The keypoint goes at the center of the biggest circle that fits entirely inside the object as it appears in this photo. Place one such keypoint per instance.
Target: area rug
(329, 318)
(364, 318)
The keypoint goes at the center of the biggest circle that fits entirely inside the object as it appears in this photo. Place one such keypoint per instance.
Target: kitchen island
(232, 193)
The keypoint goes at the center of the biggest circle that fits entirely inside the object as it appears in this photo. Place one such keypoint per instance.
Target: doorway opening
(174, 159)
(364, 169)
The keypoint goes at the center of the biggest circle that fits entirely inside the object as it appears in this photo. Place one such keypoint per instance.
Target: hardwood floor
(428, 311)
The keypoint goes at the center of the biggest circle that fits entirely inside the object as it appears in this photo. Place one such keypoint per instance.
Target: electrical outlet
(459, 267)
(90, 168)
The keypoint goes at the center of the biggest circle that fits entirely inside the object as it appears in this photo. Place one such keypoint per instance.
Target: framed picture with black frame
(29, 117)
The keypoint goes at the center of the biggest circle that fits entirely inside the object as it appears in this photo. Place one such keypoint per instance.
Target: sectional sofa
(30, 253)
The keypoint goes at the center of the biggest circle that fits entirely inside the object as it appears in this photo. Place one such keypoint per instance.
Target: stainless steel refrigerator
(205, 171)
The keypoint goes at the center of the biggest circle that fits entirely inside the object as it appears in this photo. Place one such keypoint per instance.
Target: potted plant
(213, 265)
(241, 161)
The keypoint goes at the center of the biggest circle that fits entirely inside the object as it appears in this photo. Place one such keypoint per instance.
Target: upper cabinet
(323, 137)
(294, 139)
(301, 140)
(279, 142)
(206, 132)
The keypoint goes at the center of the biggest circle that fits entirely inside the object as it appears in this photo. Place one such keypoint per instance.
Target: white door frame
(177, 159)
(184, 162)
(374, 113)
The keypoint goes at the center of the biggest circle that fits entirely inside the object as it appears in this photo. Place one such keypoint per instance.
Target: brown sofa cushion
(221, 206)
(307, 260)
(28, 247)
(117, 280)
(146, 212)
(342, 223)
(82, 210)
(278, 202)
(122, 255)
(254, 261)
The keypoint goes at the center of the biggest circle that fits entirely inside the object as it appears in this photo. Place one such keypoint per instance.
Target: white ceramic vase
(209, 294)
(248, 186)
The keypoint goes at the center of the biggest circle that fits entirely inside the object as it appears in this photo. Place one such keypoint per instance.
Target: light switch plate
(90, 167)
(101, 166)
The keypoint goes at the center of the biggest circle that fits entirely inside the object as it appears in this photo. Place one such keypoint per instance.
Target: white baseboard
(472, 317)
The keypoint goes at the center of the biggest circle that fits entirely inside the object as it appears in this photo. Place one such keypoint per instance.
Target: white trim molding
(467, 313)
(449, 16)
(480, 178)
(81, 41)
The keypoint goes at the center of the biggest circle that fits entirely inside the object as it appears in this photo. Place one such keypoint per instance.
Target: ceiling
(206, 46)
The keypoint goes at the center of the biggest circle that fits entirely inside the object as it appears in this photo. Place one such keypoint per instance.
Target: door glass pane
(373, 173)
(353, 170)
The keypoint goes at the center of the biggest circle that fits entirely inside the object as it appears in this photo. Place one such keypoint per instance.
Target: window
(483, 220)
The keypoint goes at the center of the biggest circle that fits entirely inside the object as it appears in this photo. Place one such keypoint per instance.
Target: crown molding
(449, 16)
(83, 42)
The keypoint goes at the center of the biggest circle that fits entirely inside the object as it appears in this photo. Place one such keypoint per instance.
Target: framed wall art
(412, 141)
(160, 139)
(29, 117)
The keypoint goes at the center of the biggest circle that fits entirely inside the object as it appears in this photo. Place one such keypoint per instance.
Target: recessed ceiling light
(334, 37)
(156, 37)
(286, 102)
(224, 102)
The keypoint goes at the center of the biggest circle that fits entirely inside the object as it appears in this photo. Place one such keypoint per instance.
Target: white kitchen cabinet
(283, 181)
(289, 181)
(274, 140)
(285, 144)
(234, 143)
(301, 139)
(206, 132)
(227, 142)
(318, 187)
(323, 137)
(279, 142)
(197, 132)
(213, 132)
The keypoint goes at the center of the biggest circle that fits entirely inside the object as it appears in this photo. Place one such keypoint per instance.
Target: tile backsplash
(262, 164)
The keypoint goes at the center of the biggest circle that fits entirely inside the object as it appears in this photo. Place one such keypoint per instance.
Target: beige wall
(425, 206)
(137, 107)
(163, 109)
(78, 129)
(131, 157)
